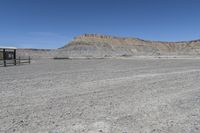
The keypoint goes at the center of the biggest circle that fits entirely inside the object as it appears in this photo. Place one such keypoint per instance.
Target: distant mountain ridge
(35, 53)
(102, 46)
(95, 45)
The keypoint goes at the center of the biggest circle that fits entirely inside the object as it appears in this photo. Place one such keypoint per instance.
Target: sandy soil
(101, 96)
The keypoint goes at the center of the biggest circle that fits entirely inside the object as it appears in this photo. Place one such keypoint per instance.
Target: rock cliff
(94, 45)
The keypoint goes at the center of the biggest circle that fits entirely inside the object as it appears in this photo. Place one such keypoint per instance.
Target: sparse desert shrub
(125, 55)
(61, 58)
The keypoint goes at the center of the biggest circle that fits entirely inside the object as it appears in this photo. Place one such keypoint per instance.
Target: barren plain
(101, 96)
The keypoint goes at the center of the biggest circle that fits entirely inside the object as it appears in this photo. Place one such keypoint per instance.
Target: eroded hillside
(93, 45)
(101, 46)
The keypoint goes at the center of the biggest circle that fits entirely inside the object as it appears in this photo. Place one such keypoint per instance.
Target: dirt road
(101, 96)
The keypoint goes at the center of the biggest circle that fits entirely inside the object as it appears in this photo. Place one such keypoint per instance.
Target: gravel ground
(101, 96)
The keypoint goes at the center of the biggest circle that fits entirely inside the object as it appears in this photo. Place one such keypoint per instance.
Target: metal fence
(17, 61)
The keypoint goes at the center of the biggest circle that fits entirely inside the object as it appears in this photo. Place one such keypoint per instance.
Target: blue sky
(53, 23)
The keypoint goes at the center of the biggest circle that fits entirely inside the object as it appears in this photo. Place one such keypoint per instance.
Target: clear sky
(53, 23)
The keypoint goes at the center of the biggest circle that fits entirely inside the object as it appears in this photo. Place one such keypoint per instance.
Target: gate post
(15, 62)
(19, 60)
(29, 60)
(4, 57)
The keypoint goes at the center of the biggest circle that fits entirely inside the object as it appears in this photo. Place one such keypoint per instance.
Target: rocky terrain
(101, 96)
(102, 46)
(93, 45)
(111, 95)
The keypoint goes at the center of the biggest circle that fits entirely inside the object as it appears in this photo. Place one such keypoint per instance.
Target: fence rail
(17, 61)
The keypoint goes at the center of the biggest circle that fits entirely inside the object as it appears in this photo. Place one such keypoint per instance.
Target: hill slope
(92, 45)
(35, 53)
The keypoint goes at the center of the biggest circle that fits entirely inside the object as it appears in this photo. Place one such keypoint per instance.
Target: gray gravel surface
(101, 96)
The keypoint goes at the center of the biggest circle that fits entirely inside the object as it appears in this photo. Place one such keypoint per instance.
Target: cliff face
(93, 45)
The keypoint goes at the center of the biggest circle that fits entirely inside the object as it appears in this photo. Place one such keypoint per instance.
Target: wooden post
(19, 60)
(29, 60)
(15, 63)
(4, 57)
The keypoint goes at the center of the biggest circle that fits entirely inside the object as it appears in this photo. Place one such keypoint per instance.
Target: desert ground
(101, 96)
